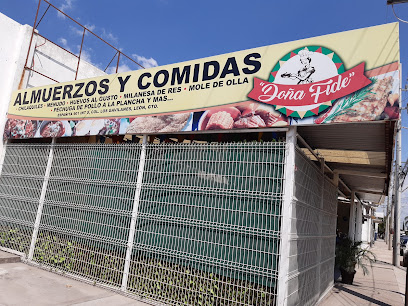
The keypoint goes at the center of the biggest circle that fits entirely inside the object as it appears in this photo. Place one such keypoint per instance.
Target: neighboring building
(49, 61)
(379, 218)
(357, 224)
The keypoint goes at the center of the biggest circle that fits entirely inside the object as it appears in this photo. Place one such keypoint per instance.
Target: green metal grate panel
(21, 182)
(86, 216)
(209, 218)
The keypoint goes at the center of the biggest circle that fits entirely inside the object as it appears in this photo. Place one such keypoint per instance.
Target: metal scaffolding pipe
(397, 197)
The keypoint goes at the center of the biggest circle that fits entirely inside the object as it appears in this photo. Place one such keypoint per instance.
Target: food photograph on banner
(337, 78)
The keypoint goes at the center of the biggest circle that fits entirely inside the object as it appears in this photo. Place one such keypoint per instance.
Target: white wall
(359, 222)
(58, 64)
(15, 40)
(367, 232)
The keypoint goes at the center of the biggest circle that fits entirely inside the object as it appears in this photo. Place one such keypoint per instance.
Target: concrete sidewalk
(385, 285)
(22, 284)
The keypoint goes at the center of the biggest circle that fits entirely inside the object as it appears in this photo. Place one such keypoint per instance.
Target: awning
(361, 154)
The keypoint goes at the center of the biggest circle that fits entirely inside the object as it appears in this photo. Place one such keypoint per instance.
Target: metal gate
(183, 224)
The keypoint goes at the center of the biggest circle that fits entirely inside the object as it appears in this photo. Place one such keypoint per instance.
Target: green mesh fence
(209, 216)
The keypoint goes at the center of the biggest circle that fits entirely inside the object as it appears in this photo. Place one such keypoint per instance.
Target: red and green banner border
(319, 49)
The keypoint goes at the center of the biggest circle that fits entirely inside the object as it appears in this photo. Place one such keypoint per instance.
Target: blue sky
(160, 32)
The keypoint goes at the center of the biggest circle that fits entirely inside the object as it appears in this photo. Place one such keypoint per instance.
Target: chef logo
(306, 70)
(306, 81)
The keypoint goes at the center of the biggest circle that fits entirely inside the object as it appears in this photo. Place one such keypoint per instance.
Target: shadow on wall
(52, 63)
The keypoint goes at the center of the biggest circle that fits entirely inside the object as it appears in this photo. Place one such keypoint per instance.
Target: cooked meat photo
(110, 127)
(155, 124)
(367, 104)
(249, 122)
(244, 115)
(53, 129)
(17, 128)
(220, 121)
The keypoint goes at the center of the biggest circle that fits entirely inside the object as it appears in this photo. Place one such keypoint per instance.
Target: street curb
(9, 258)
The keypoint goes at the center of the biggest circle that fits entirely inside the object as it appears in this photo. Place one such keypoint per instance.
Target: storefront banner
(345, 77)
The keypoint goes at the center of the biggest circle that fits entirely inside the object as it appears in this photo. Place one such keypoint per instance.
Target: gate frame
(132, 229)
(285, 230)
(41, 201)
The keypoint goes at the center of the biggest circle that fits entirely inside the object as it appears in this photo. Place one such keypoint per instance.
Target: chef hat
(304, 53)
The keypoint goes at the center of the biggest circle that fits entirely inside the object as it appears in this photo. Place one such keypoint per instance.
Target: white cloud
(77, 30)
(121, 68)
(90, 27)
(86, 56)
(145, 62)
(109, 36)
(80, 31)
(64, 43)
(65, 6)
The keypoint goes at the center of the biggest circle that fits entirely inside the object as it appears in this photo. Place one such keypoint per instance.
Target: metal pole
(111, 61)
(391, 210)
(359, 222)
(117, 63)
(41, 202)
(49, 3)
(134, 214)
(387, 220)
(352, 217)
(80, 51)
(29, 46)
(397, 193)
(3, 155)
(391, 218)
(36, 26)
(406, 286)
(32, 33)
